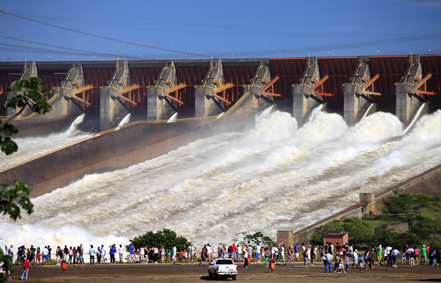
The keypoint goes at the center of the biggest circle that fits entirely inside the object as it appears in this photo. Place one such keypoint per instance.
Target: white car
(222, 267)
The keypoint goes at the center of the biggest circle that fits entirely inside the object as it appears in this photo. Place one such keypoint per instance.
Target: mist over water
(272, 176)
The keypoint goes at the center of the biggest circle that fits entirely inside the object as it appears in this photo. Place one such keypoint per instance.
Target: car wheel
(209, 274)
(234, 277)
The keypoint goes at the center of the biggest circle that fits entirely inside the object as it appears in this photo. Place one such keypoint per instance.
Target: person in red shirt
(25, 269)
(233, 252)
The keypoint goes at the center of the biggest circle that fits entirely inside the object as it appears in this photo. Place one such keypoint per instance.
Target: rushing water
(29, 147)
(271, 176)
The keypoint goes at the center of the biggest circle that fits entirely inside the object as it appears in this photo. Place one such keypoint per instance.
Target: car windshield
(224, 261)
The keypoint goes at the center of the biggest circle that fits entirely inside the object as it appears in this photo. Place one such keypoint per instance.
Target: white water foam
(124, 121)
(29, 147)
(173, 118)
(272, 176)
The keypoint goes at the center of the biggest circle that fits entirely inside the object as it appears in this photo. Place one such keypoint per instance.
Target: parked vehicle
(222, 267)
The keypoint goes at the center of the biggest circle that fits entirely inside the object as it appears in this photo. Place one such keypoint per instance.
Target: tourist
(372, 258)
(103, 254)
(411, 257)
(290, 255)
(141, 254)
(305, 258)
(98, 255)
(173, 254)
(431, 255)
(395, 253)
(25, 269)
(267, 255)
(49, 254)
(132, 254)
(404, 255)
(92, 255)
(438, 256)
(234, 252)
(355, 259)
(112, 254)
(423, 254)
(340, 266)
(210, 252)
(163, 256)
(250, 253)
(417, 253)
(239, 253)
(245, 257)
(328, 261)
(74, 253)
(38, 255)
(45, 253)
(121, 253)
(313, 254)
(360, 261)
(257, 256)
(70, 255)
(282, 253)
(296, 251)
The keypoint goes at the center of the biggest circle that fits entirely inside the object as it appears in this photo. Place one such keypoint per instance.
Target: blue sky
(57, 30)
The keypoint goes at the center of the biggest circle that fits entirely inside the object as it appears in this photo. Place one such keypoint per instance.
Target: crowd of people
(344, 257)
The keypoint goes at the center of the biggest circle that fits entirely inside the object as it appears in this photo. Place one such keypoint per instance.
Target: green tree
(13, 197)
(29, 92)
(165, 237)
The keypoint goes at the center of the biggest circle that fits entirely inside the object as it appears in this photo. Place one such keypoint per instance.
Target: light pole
(217, 49)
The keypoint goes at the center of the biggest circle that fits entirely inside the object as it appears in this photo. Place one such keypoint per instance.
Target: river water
(274, 175)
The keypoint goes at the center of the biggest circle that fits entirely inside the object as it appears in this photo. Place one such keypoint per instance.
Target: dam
(212, 148)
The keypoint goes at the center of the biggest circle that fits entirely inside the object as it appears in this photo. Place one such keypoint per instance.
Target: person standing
(25, 269)
(173, 254)
(121, 251)
(290, 255)
(44, 255)
(282, 253)
(423, 255)
(296, 251)
(103, 254)
(49, 257)
(372, 258)
(328, 262)
(245, 257)
(70, 255)
(141, 254)
(234, 252)
(92, 255)
(112, 254)
(132, 254)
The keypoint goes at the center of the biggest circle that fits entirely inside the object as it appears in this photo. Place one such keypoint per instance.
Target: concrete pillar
(263, 73)
(407, 101)
(113, 108)
(369, 200)
(205, 103)
(303, 101)
(29, 70)
(285, 237)
(355, 102)
(160, 107)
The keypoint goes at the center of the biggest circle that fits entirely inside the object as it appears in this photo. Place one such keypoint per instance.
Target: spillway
(272, 175)
(32, 146)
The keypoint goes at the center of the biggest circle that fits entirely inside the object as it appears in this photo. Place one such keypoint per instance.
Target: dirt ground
(256, 272)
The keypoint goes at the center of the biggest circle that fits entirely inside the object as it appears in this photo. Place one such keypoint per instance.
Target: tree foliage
(401, 208)
(13, 198)
(165, 237)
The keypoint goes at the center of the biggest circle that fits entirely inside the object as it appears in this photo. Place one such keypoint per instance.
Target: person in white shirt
(258, 256)
(121, 251)
(245, 256)
(282, 252)
(92, 255)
